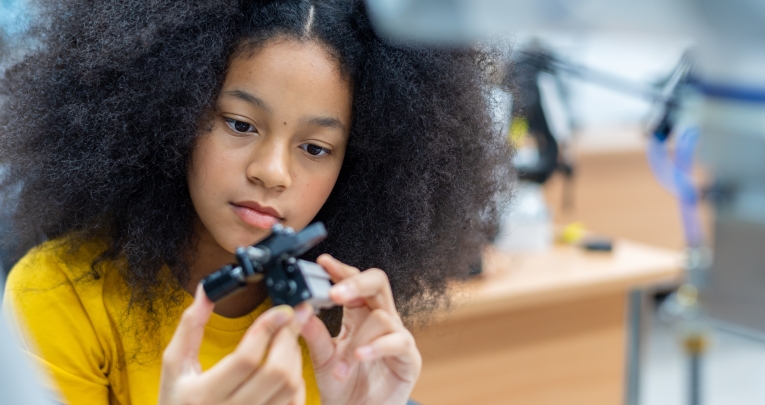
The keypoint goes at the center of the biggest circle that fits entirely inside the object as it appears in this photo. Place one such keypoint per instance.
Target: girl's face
(277, 143)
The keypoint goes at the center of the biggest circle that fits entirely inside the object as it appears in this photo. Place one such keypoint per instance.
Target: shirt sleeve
(55, 330)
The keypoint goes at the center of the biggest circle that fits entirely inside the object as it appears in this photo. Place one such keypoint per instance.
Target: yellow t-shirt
(78, 330)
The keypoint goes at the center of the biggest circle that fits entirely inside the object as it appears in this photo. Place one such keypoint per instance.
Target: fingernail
(283, 313)
(343, 291)
(341, 370)
(365, 353)
(303, 314)
(200, 296)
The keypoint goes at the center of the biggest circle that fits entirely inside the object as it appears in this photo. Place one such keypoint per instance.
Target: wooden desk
(544, 328)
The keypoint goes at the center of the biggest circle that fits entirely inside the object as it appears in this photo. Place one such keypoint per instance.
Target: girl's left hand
(374, 359)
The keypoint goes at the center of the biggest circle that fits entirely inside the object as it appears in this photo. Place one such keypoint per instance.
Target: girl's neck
(208, 258)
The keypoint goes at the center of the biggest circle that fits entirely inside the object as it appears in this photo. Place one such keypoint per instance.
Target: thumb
(183, 351)
(319, 341)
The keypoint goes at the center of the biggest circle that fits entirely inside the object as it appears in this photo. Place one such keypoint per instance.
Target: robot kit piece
(289, 280)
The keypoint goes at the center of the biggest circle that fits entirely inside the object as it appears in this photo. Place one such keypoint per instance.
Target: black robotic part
(285, 283)
(288, 243)
(244, 261)
(222, 283)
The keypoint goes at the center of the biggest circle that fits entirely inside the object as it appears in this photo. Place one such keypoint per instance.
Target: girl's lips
(254, 217)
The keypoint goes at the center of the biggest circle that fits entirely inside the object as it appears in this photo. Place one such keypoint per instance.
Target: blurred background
(640, 133)
(613, 193)
(578, 300)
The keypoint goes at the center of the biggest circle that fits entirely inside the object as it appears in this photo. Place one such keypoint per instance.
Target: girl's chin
(251, 238)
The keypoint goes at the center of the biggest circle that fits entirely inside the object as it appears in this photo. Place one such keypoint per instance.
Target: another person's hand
(246, 376)
(374, 359)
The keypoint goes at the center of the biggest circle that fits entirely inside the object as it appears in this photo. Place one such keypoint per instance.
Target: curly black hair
(98, 121)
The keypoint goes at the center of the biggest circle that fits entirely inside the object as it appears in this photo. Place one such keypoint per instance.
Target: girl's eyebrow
(248, 97)
(328, 122)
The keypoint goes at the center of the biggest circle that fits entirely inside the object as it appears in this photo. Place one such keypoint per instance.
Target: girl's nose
(270, 165)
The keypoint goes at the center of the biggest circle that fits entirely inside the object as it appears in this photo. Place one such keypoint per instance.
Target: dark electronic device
(598, 244)
(289, 280)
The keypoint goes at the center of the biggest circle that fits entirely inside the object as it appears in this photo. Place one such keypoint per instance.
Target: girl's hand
(246, 376)
(374, 359)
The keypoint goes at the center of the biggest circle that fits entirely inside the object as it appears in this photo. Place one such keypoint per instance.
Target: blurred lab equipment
(527, 226)
(540, 128)
(723, 99)
(540, 115)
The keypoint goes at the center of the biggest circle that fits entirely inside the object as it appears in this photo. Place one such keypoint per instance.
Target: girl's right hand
(245, 376)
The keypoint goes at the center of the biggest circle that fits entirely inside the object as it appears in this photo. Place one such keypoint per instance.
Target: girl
(144, 141)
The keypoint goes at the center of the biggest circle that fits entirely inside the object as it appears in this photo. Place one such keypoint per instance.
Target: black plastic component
(222, 283)
(284, 276)
(287, 287)
(248, 267)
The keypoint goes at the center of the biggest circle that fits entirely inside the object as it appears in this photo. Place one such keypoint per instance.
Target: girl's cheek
(314, 191)
(323, 187)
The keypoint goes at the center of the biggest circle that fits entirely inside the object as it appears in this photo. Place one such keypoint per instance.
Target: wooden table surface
(515, 280)
(540, 328)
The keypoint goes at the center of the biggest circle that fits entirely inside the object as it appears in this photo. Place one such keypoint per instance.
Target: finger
(320, 344)
(238, 366)
(286, 340)
(182, 353)
(281, 371)
(299, 397)
(288, 397)
(336, 269)
(388, 345)
(400, 352)
(371, 285)
(379, 323)
(284, 397)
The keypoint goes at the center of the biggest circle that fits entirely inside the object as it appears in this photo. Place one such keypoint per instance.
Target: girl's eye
(315, 150)
(239, 126)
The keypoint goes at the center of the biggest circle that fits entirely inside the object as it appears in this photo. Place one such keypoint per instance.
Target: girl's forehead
(287, 56)
(287, 74)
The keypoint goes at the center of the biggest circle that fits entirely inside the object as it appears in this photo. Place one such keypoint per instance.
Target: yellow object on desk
(543, 328)
(572, 233)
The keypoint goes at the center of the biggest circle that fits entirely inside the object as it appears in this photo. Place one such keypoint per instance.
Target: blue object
(739, 93)
(675, 176)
